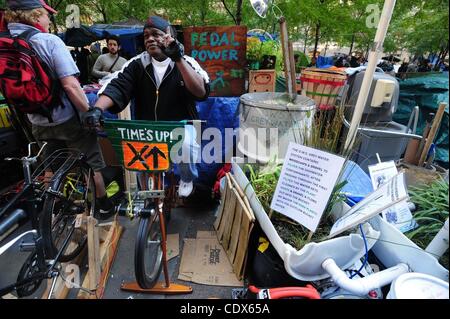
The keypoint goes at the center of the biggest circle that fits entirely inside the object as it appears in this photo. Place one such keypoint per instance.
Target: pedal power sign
(144, 145)
(221, 51)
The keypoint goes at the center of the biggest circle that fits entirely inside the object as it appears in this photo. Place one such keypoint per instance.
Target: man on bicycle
(165, 84)
(65, 129)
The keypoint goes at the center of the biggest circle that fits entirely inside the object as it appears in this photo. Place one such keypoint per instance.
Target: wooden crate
(261, 81)
(234, 223)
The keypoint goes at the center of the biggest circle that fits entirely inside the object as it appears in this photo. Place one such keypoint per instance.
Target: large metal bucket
(269, 121)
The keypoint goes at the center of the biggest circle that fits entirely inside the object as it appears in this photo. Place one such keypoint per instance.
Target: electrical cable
(366, 256)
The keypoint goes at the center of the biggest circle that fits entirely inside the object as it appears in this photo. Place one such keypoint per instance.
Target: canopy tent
(131, 36)
(79, 37)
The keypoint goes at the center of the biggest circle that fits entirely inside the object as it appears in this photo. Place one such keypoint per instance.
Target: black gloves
(175, 51)
(93, 118)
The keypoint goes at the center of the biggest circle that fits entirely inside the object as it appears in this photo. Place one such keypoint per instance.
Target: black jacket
(170, 102)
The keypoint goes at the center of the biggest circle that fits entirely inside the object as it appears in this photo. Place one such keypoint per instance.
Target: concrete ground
(185, 221)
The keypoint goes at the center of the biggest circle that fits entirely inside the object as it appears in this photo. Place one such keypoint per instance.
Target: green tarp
(426, 92)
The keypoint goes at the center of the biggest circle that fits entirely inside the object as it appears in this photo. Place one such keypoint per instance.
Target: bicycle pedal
(27, 247)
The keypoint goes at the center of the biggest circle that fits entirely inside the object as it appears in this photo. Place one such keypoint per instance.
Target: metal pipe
(374, 56)
(362, 286)
(393, 134)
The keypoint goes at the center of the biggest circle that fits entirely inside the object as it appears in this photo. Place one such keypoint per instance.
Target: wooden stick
(433, 131)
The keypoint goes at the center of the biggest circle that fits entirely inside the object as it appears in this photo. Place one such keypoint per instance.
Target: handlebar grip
(11, 220)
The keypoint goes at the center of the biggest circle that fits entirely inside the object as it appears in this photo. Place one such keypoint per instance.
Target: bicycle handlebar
(28, 158)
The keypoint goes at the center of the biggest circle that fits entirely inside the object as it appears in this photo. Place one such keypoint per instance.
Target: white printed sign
(382, 172)
(398, 215)
(306, 182)
(389, 194)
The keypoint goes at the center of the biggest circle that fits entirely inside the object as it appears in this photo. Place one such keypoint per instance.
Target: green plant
(432, 211)
(257, 49)
(264, 182)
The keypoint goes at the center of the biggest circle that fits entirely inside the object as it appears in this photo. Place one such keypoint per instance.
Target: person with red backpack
(38, 77)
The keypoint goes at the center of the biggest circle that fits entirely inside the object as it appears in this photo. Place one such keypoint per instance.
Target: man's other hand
(93, 118)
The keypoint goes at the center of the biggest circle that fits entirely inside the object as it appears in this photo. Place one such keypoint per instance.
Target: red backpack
(25, 80)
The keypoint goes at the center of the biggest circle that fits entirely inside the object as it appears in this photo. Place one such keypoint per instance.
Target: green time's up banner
(144, 145)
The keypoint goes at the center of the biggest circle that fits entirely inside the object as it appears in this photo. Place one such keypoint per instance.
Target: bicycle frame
(33, 192)
(145, 147)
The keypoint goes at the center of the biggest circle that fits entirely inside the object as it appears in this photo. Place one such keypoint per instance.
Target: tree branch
(229, 12)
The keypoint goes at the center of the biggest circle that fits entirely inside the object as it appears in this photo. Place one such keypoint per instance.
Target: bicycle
(144, 147)
(52, 204)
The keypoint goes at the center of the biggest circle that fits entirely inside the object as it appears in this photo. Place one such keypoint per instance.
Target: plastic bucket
(418, 286)
(269, 121)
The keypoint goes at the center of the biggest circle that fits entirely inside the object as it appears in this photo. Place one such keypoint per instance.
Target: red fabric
(38, 26)
(332, 83)
(220, 174)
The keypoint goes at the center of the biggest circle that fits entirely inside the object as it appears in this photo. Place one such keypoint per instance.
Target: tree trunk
(238, 12)
(316, 43)
(306, 39)
(351, 45)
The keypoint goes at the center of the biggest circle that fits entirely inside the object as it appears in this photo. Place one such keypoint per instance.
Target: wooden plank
(221, 206)
(244, 235)
(231, 251)
(93, 253)
(108, 251)
(229, 216)
(244, 265)
(433, 131)
(61, 288)
(130, 177)
(225, 209)
(249, 210)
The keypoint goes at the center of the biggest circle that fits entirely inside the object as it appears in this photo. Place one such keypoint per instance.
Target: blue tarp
(130, 36)
(220, 113)
(324, 62)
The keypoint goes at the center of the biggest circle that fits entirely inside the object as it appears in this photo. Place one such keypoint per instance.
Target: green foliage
(432, 211)
(418, 26)
(264, 181)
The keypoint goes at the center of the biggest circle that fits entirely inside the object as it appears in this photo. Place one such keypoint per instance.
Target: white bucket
(418, 286)
(262, 111)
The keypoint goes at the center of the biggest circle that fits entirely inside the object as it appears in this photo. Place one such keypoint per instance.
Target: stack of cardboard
(204, 261)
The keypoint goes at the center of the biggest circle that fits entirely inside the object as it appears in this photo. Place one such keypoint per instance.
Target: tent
(79, 37)
(131, 36)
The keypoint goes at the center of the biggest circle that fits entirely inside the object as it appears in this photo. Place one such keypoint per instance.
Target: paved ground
(185, 221)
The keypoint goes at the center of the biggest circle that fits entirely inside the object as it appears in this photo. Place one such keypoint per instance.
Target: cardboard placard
(261, 81)
(221, 51)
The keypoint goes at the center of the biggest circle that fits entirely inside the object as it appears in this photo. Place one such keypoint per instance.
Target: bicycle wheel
(148, 251)
(77, 194)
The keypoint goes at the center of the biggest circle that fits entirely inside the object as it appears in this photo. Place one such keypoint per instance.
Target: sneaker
(185, 189)
(104, 208)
